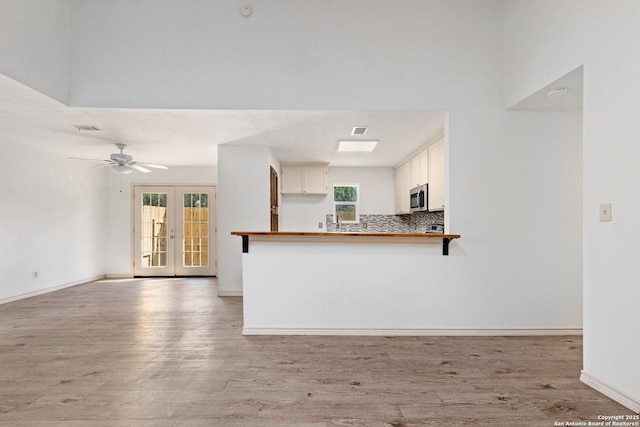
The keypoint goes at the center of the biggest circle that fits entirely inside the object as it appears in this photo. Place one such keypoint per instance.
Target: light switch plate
(320, 225)
(605, 212)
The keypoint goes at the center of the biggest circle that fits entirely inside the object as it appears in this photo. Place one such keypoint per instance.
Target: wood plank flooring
(169, 353)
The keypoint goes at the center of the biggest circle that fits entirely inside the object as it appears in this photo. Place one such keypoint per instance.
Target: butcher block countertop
(345, 236)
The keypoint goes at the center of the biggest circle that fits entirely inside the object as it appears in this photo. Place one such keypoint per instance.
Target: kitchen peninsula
(306, 283)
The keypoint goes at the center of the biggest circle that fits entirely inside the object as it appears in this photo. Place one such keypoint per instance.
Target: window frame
(356, 203)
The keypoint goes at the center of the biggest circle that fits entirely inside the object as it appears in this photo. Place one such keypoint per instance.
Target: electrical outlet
(35, 274)
(320, 225)
(605, 212)
(364, 225)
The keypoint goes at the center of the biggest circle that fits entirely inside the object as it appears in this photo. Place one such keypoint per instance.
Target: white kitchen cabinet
(436, 176)
(315, 180)
(304, 178)
(424, 167)
(402, 176)
(291, 179)
(420, 168)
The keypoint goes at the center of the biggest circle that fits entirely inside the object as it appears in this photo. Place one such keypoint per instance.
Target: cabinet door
(420, 168)
(315, 180)
(436, 176)
(402, 187)
(398, 191)
(423, 167)
(415, 171)
(292, 179)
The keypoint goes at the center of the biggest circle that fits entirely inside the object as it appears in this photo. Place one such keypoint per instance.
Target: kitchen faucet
(339, 221)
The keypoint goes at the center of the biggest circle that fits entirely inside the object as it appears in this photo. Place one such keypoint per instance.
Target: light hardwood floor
(160, 353)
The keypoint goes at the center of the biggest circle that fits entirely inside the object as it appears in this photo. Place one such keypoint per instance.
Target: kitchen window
(346, 202)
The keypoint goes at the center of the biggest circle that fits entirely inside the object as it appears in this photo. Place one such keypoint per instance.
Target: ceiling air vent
(86, 127)
(359, 130)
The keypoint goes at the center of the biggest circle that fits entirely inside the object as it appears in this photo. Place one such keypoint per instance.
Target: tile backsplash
(414, 223)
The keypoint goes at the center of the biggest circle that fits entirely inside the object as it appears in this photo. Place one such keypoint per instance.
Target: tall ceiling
(191, 137)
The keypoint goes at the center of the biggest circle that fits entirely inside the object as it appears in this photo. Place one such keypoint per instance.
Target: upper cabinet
(420, 168)
(304, 178)
(402, 185)
(436, 176)
(424, 167)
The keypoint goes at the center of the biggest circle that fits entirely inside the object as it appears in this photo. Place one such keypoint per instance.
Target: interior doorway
(174, 230)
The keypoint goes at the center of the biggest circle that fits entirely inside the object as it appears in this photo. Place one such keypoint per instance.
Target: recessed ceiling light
(557, 92)
(86, 127)
(345, 146)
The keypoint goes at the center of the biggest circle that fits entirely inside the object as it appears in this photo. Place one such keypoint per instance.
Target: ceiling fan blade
(107, 163)
(90, 160)
(139, 168)
(150, 165)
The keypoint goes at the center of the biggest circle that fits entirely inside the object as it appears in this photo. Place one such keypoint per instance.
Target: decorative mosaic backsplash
(414, 223)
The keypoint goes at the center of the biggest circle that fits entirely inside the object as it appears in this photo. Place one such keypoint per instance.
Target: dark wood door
(274, 200)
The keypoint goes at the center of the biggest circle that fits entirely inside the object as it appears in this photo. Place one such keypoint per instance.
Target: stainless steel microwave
(419, 197)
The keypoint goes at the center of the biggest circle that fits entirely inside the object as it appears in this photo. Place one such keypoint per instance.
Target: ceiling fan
(123, 163)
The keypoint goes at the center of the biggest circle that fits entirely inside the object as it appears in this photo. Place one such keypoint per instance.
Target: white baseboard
(48, 290)
(610, 391)
(414, 332)
(229, 293)
(119, 276)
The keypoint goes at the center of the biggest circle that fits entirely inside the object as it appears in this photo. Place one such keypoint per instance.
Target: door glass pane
(154, 230)
(195, 244)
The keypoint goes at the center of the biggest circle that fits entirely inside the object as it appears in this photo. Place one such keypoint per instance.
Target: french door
(174, 230)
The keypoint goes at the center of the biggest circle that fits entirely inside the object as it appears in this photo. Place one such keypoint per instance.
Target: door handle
(171, 237)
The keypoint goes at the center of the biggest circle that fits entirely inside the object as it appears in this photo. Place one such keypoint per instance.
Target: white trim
(229, 293)
(414, 332)
(48, 290)
(610, 391)
(119, 276)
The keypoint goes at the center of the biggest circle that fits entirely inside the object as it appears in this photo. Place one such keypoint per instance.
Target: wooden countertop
(344, 234)
(337, 236)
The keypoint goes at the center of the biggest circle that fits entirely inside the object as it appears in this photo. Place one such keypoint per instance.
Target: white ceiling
(190, 137)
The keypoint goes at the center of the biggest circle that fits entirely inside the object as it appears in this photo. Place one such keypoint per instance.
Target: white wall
(34, 47)
(303, 213)
(602, 36)
(119, 207)
(52, 221)
(289, 54)
(376, 188)
(243, 205)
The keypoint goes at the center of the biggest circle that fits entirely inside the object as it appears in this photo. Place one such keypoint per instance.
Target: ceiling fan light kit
(122, 169)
